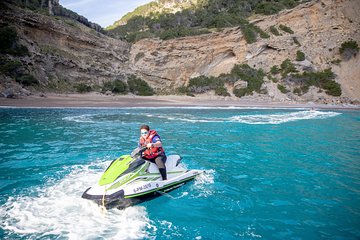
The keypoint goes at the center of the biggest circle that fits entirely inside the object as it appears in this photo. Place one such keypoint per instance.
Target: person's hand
(149, 145)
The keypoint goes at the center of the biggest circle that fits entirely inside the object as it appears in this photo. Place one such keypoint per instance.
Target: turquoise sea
(271, 173)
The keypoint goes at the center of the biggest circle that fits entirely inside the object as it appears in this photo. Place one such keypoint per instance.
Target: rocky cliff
(319, 29)
(64, 52)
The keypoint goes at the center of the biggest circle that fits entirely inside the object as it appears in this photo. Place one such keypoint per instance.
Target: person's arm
(156, 142)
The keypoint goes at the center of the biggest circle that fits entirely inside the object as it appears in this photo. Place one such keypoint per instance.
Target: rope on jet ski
(169, 196)
(103, 208)
(165, 194)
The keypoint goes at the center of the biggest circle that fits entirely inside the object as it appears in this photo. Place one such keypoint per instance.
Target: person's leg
(160, 162)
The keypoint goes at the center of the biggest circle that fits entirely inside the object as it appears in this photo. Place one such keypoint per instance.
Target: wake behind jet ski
(130, 180)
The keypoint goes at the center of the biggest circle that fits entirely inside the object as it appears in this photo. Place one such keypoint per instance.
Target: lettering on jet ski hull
(143, 187)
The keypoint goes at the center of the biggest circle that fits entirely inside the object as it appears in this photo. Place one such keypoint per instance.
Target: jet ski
(130, 180)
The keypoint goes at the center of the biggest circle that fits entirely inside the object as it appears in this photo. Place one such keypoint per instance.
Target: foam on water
(84, 118)
(202, 184)
(278, 118)
(282, 117)
(58, 210)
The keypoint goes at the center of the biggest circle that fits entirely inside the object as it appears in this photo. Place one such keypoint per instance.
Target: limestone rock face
(173, 62)
(320, 27)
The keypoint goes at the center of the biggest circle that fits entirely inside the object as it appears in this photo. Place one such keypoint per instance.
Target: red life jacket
(154, 151)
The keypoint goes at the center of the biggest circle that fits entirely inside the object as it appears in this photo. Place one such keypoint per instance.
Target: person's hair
(145, 127)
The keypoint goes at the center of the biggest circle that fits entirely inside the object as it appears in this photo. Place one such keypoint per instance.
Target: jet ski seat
(172, 161)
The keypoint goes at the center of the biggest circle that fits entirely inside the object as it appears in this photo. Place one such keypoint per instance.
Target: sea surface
(270, 173)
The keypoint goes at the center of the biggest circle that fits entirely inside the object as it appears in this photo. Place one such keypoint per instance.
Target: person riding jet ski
(130, 179)
(155, 152)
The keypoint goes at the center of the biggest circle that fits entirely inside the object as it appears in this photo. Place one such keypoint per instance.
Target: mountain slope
(156, 8)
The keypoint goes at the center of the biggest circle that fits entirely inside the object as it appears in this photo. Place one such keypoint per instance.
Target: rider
(155, 152)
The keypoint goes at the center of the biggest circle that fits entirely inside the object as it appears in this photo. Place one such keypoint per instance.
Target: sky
(102, 12)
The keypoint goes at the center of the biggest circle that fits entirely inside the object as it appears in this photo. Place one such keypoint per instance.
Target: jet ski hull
(121, 200)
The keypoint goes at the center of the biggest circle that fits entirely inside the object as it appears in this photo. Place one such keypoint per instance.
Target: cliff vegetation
(195, 17)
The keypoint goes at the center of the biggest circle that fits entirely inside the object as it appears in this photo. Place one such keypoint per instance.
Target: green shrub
(332, 88)
(274, 70)
(10, 68)
(261, 32)
(300, 56)
(221, 91)
(349, 49)
(349, 45)
(107, 86)
(181, 31)
(282, 88)
(8, 42)
(203, 84)
(116, 86)
(249, 34)
(301, 90)
(228, 78)
(224, 19)
(273, 79)
(83, 88)
(274, 31)
(119, 87)
(286, 29)
(287, 67)
(139, 86)
(254, 78)
(8, 37)
(27, 80)
(268, 8)
(323, 79)
(240, 92)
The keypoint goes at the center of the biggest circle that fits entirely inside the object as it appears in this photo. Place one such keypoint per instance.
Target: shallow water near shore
(271, 173)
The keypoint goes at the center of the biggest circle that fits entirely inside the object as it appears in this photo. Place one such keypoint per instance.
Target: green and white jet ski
(130, 180)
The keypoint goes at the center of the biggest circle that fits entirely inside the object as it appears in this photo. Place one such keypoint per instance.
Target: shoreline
(96, 100)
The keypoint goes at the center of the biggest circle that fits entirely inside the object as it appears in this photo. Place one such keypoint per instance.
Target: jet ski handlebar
(138, 151)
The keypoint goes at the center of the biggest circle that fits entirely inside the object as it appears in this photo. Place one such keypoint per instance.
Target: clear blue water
(271, 174)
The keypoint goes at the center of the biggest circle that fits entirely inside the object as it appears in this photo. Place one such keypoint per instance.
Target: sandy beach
(97, 100)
